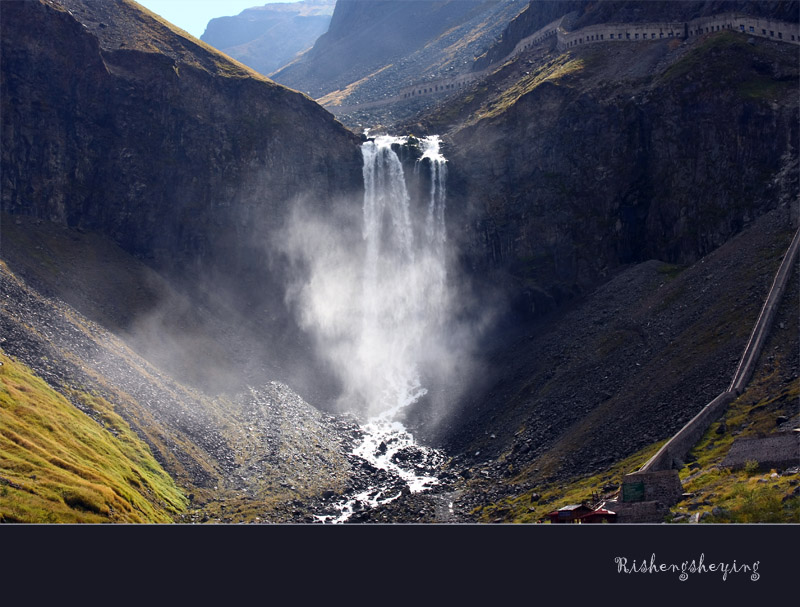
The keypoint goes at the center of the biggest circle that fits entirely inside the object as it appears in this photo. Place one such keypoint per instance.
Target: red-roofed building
(569, 514)
(600, 515)
(583, 514)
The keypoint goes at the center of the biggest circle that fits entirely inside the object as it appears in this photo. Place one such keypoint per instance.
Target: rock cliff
(574, 164)
(655, 175)
(116, 123)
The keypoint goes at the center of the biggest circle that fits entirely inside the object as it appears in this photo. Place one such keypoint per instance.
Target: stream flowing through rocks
(395, 464)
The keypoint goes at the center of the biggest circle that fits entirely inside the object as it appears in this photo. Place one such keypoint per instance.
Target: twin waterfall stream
(403, 307)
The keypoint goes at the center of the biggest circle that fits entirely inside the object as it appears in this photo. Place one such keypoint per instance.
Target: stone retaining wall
(779, 451)
(744, 370)
(638, 512)
(621, 32)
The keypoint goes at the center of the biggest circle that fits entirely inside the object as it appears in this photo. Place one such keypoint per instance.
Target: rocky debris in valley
(265, 443)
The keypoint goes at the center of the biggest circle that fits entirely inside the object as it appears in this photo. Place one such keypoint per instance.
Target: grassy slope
(57, 464)
(746, 495)
(89, 474)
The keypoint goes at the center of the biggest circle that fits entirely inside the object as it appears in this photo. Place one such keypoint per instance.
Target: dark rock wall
(177, 164)
(584, 174)
(626, 367)
(183, 158)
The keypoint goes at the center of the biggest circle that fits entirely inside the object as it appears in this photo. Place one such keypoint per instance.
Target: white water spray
(404, 298)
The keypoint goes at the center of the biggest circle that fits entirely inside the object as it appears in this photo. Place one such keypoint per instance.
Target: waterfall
(393, 327)
(404, 295)
(435, 227)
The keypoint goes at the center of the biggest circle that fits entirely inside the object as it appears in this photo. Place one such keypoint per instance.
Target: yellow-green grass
(745, 417)
(58, 464)
(742, 496)
(339, 96)
(552, 71)
(552, 496)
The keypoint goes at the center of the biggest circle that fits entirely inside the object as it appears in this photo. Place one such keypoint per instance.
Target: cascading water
(403, 304)
(404, 295)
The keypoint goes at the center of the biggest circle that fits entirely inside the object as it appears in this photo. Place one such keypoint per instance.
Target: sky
(193, 15)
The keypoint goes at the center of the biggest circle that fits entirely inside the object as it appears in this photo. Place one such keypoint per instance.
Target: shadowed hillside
(372, 49)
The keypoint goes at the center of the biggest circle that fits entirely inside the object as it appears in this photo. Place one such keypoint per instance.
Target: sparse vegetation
(524, 508)
(670, 271)
(745, 495)
(553, 71)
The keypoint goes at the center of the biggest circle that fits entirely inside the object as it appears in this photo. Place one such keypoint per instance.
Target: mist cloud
(373, 284)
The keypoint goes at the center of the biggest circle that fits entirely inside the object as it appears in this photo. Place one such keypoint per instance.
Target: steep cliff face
(184, 146)
(268, 37)
(116, 123)
(575, 164)
(144, 176)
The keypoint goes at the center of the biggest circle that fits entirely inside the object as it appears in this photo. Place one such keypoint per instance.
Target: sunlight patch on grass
(553, 72)
(338, 97)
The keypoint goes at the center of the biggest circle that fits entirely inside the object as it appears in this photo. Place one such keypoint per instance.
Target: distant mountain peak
(268, 37)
